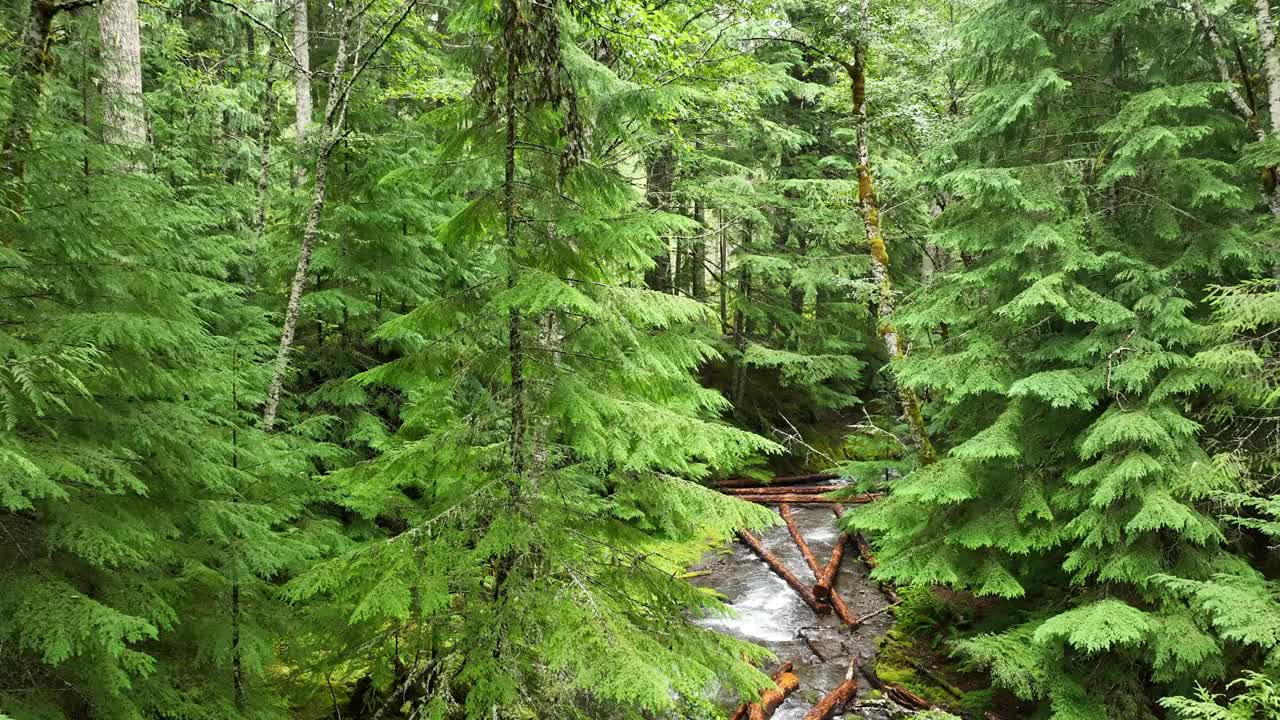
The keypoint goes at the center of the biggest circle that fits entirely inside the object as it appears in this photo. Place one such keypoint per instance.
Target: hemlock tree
(1097, 190)
(553, 431)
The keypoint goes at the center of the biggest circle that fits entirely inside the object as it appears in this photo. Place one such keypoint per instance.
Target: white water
(769, 613)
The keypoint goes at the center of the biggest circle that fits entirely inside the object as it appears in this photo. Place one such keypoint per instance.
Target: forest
(399, 359)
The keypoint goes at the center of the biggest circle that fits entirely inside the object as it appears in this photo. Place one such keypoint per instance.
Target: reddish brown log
(773, 697)
(785, 511)
(869, 559)
(784, 480)
(741, 712)
(784, 490)
(783, 572)
(827, 577)
(903, 696)
(798, 499)
(834, 700)
(820, 590)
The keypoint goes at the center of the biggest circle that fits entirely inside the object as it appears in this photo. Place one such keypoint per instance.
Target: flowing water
(769, 613)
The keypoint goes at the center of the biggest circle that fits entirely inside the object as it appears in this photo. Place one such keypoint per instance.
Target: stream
(769, 613)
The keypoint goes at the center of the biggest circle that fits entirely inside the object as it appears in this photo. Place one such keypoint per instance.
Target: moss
(895, 663)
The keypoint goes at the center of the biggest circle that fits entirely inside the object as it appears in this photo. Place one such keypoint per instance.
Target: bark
(699, 250)
(124, 123)
(658, 184)
(237, 673)
(301, 71)
(1270, 60)
(821, 591)
(742, 710)
(870, 209)
(827, 577)
(515, 340)
(807, 499)
(772, 698)
(838, 697)
(724, 288)
(785, 490)
(740, 335)
(805, 551)
(335, 116)
(783, 572)
(264, 156)
(1238, 101)
(781, 480)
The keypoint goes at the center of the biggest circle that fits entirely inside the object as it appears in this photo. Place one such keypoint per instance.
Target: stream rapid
(768, 612)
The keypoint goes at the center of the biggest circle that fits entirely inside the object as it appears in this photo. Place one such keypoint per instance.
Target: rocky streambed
(769, 613)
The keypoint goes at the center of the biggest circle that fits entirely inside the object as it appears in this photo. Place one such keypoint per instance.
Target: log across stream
(772, 614)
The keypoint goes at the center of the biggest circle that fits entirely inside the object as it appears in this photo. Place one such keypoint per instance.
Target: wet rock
(767, 612)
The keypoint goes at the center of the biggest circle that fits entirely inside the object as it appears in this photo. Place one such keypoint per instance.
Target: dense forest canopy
(378, 358)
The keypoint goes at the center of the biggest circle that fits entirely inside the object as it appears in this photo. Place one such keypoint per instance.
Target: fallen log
(772, 698)
(827, 578)
(821, 592)
(903, 696)
(783, 572)
(869, 559)
(784, 490)
(837, 698)
(802, 499)
(783, 480)
(783, 669)
(896, 693)
(785, 511)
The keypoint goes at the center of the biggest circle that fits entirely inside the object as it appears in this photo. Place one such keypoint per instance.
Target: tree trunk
(335, 116)
(780, 480)
(783, 572)
(827, 577)
(724, 275)
(742, 710)
(264, 154)
(698, 262)
(301, 73)
(25, 92)
(784, 490)
(658, 185)
(806, 499)
(838, 697)
(870, 209)
(821, 591)
(124, 123)
(1270, 60)
(787, 683)
(805, 551)
(1238, 101)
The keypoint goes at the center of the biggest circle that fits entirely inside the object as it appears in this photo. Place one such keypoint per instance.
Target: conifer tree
(1089, 217)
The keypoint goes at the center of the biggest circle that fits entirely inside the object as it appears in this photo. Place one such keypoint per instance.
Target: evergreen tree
(1088, 217)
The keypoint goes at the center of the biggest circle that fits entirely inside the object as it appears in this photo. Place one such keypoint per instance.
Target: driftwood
(741, 712)
(837, 698)
(776, 565)
(787, 683)
(784, 490)
(802, 499)
(784, 480)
